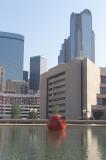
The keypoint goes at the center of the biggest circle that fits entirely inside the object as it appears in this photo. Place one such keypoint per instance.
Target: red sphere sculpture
(56, 123)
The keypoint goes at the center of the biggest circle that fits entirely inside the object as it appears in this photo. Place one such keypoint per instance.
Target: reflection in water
(36, 143)
(57, 138)
(92, 147)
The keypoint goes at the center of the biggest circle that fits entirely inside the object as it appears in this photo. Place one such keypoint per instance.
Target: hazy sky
(46, 23)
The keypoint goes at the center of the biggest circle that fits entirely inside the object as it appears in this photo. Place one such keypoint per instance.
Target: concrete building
(81, 42)
(1, 78)
(72, 87)
(16, 87)
(38, 65)
(101, 97)
(11, 55)
(25, 102)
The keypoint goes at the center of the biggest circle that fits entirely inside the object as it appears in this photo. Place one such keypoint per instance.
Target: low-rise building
(16, 86)
(26, 102)
(71, 87)
(100, 107)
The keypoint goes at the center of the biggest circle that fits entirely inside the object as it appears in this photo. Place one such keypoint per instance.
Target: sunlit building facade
(71, 87)
(100, 107)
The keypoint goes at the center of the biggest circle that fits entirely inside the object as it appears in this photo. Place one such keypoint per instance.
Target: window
(103, 79)
(99, 101)
(104, 101)
(103, 90)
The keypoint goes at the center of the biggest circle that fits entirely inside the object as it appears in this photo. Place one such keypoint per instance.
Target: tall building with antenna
(11, 55)
(81, 42)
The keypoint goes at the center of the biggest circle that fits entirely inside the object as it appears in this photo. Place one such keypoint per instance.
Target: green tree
(32, 114)
(55, 109)
(15, 111)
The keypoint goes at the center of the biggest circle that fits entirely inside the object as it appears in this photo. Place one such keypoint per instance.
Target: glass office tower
(38, 65)
(81, 42)
(11, 55)
(25, 76)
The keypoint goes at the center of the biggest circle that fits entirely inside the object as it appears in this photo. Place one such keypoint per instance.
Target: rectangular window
(99, 101)
(103, 79)
(104, 101)
(103, 90)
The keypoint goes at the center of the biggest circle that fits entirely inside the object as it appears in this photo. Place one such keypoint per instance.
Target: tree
(32, 113)
(15, 111)
(55, 109)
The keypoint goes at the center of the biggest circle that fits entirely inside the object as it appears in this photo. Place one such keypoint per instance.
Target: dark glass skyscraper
(11, 55)
(81, 41)
(38, 65)
(25, 76)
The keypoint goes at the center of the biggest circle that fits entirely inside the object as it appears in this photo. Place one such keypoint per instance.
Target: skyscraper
(25, 76)
(38, 65)
(11, 55)
(1, 78)
(81, 41)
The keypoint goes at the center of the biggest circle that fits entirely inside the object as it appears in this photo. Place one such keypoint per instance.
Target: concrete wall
(91, 85)
(43, 96)
(103, 71)
(73, 90)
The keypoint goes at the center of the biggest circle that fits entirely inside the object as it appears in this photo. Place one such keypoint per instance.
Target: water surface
(36, 143)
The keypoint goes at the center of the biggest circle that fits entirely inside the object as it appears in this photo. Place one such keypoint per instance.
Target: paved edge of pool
(26, 122)
(74, 125)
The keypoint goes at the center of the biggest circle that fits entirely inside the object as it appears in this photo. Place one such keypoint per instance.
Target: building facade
(71, 87)
(25, 76)
(1, 78)
(100, 107)
(38, 65)
(81, 42)
(16, 87)
(11, 55)
(25, 102)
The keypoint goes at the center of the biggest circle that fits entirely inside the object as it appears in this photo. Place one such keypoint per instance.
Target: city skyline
(45, 30)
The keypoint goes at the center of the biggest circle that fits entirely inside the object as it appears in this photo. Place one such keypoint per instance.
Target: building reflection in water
(93, 151)
(82, 143)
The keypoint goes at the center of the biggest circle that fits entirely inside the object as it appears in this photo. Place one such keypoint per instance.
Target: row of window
(57, 93)
(58, 81)
(101, 101)
(60, 111)
(103, 90)
(57, 99)
(26, 101)
(57, 75)
(103, 79)
(57, 87)
(61, 105)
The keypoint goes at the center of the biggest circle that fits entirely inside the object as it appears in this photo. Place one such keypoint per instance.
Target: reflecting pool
(36, 143)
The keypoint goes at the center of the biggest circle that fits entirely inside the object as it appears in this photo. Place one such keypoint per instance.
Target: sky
(46, 23)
